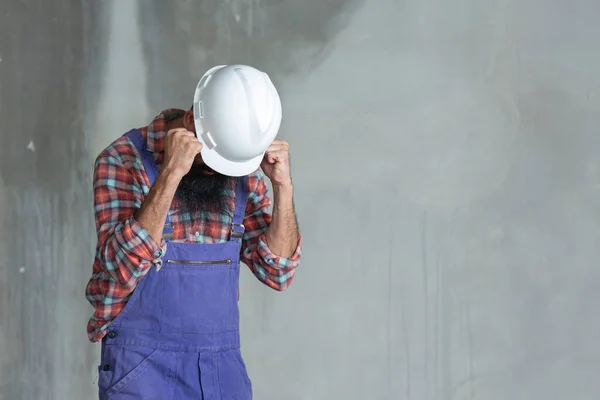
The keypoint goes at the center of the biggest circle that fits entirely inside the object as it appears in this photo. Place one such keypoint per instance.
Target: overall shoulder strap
(150, 167)
(241, 196)
(140, 143)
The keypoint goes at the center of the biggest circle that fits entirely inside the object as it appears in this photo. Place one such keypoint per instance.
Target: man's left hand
(276, 163)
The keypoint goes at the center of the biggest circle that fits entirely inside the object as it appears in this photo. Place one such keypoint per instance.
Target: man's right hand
(181, 147)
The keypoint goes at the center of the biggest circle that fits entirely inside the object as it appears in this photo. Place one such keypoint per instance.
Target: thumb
(265, 164)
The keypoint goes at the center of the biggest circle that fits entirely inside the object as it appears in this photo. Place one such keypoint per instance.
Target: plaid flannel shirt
(126, 251)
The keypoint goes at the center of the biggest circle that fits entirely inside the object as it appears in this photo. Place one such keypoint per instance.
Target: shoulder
(121, 152)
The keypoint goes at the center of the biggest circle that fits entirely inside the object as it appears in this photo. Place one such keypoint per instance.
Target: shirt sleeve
(274, 271)
(125, 250)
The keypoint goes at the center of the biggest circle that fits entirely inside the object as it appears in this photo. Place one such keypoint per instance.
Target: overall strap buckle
(237, 231)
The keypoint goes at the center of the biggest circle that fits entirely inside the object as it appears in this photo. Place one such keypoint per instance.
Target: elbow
(119, 265)
(281, 285)
(277, 287)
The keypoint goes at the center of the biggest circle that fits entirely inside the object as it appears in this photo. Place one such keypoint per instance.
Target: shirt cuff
(276, 261)
(146, 246)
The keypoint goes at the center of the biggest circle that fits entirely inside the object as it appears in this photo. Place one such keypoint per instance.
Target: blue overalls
(178, 336)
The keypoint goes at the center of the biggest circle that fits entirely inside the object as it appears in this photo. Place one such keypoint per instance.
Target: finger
(186, 134)
(278, 155)
(181, 132)
(265, 166)
(281, 145)
(274, 149)
(268, 160)
(189, 139)
(196, 146)
(172, 131)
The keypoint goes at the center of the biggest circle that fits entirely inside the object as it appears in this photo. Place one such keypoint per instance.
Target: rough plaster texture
(445, 160)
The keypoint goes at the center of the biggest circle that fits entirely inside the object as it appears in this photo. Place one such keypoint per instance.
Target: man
(178, 205)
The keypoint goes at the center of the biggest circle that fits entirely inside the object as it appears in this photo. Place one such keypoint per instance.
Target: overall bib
(178, 336)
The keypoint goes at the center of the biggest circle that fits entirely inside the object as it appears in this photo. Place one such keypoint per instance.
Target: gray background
(447, 186)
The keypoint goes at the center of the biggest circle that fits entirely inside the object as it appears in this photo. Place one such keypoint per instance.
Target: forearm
(153, 212)
(132, 245)
(282, 234)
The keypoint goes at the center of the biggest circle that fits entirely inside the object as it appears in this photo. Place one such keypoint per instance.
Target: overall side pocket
(124, 366)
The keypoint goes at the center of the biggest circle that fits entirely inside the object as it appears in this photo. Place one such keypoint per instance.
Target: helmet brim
(227, 167)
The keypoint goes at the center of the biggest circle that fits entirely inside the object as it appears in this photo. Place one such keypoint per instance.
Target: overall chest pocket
(199, 296)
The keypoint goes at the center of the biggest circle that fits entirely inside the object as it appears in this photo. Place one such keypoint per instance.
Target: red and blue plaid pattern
(125, 250)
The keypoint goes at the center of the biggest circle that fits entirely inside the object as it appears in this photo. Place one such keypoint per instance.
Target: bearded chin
(198, 191)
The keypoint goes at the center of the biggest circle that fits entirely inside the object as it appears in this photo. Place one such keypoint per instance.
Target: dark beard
(198, 191)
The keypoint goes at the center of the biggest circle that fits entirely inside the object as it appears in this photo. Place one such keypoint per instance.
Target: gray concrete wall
(447, 182)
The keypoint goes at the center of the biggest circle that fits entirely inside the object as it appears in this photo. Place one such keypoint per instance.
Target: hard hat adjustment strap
(208, 140)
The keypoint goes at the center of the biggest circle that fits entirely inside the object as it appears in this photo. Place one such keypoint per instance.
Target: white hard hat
(237, 113)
